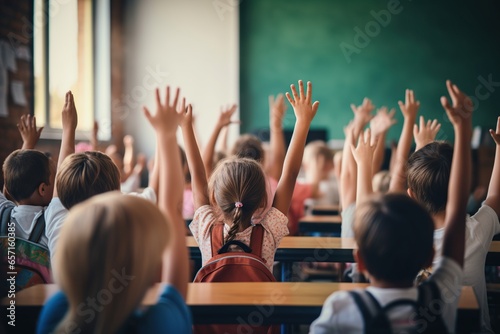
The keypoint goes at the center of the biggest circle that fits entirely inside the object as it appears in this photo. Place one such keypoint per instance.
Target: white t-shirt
(340, 314)
(274, 223)
(347, 221)
(56, 214)
(25, 217)
(479, 232)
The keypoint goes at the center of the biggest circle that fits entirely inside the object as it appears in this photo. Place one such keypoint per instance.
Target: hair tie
(238, 205)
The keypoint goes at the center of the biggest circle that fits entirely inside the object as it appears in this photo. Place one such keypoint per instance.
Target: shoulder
(338, 315)
(275, 222)
(485, 219)
(170, 313)
(52, 313)
(202, 220)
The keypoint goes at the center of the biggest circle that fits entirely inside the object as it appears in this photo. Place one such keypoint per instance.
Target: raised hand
(29, 132)
(302, 104)
(426, 133)
(167, 118)
(277, 110)
(364, 151)
(362, 113)
(496, 135)
(460, 111)
(382, 121)
(226, 114)
(69, 115)
(410, 107)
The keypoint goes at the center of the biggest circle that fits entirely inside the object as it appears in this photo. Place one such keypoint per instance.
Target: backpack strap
(5, 219)
(217, 238)
(225, 248)
(37, 232)
(370, 310)
(256, 239)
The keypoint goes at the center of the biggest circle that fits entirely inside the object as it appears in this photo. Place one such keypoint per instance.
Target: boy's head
(84, 175)
(428, 175)
(29, 177)
(249, 146)
(395, 238)
(318, 155)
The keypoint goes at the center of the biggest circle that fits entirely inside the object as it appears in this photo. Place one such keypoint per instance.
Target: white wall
(196, 44)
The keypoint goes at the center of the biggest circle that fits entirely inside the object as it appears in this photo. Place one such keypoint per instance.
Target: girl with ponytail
(237, 187)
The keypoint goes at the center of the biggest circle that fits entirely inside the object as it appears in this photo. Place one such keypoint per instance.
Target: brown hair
(394, 236)
(429, 174)
(84, 175)
(110, 250)
(237, 180)
(185, 166)
(24, 171)
(248, 146)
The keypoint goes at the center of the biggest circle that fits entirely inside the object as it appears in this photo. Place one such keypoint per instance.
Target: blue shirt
(169, 315)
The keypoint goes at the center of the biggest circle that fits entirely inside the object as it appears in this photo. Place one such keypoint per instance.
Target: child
(395, 240)
(237, 187)
(123, 240)
(428, 174)
(80, 176)
(29, 182)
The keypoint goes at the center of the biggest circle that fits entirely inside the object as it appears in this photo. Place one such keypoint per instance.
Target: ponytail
(237, 220)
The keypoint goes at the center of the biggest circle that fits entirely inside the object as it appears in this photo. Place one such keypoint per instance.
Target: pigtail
(237, 219)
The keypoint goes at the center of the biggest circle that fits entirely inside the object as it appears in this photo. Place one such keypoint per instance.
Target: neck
(388, 285)
(439, 219)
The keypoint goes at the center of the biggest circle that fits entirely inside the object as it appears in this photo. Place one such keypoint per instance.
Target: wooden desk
(302, 249)
(274, 303)
(321, 224)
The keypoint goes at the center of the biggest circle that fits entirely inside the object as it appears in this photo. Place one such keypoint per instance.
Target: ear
(428, 263)
(359, 260)
(410, 193)
(42, 188)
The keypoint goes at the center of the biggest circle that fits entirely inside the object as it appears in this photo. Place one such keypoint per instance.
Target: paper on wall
(22, 52)
(17, 89)
(8, 56)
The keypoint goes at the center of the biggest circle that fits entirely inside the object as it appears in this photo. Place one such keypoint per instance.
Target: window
(71, 52)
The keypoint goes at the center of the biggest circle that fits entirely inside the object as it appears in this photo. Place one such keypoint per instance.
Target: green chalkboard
(423, 43)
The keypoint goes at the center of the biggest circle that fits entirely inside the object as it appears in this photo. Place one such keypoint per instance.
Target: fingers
(271, 101)
(39, 132)
(294, 92)
(158, 100)
(407, 96)
(392, 113)
(451, 91)
(415, 130)
(498, 125)
(176, 98)
(309, 92)
(401, 106)
(183, 105)
(354, 108)
(289, 98)
(301, 89)
(446, 105)
(422, 122)
(167, 97)
(147, 114)
(315, 106)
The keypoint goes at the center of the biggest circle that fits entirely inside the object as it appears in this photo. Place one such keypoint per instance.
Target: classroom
(249, 166)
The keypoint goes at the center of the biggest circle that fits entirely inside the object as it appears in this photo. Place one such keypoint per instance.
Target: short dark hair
(250, 147)
(83, 175)
(428, 173)
(394, 235)
(24, 171)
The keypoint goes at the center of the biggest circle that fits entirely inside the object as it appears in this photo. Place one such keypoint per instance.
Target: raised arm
(277, 109)
(304, 111)
(493, 197)
(29, 133)
(223, 121)
(379, 126)
(364, 155)
(69, 123)
(348, 174)
(426, 133)
(460, 115)
(199, 182)
(94, 141)
(128, 157)
(409, 110)
(165, 122)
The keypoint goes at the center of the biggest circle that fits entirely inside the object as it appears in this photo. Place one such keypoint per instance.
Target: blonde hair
(315, 149)
(237, 180)
(84, 175)
(107, 237)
